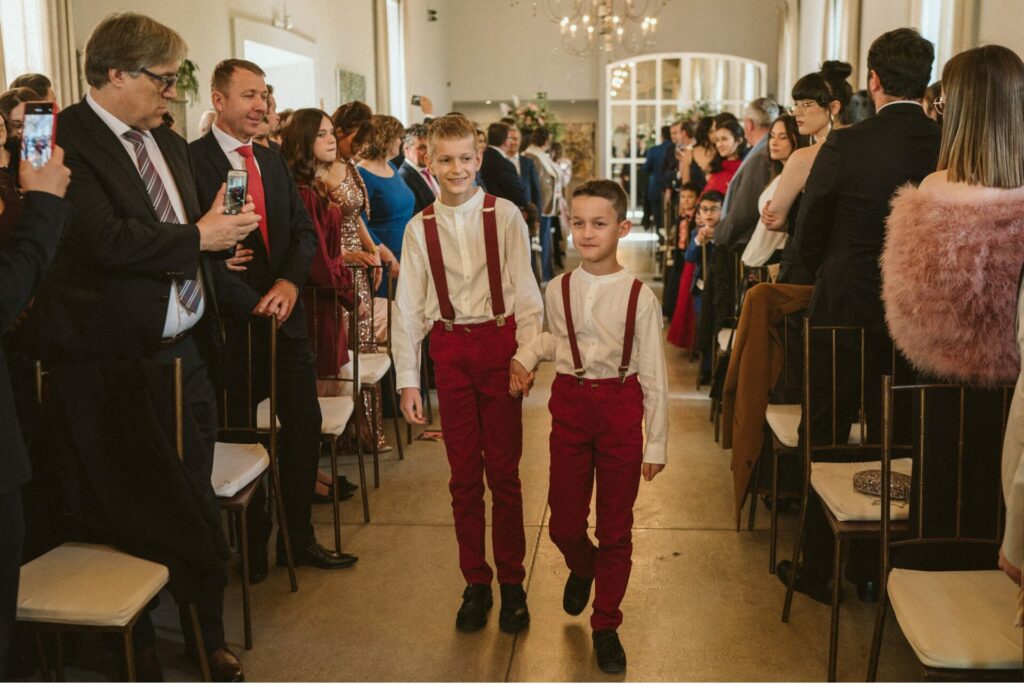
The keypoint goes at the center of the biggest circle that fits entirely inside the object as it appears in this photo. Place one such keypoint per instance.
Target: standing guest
(282, 251)
(531, 194)
(10, 199)
(39, 84)
(390, 200)
(933, 93)
(12, 109)
(468, 281)
(694, 161)
(29, 248)
(680, 276)
(262, 135)
(730, 149)
(130, 280)
(839, 236)
(549, 200)
(497, 172)
(415, 170)
(765, 246)
(819, 98)
(653, 167)
(206, 121)
(609, 407)
(560, 224)
(700, 251)
(273, 121)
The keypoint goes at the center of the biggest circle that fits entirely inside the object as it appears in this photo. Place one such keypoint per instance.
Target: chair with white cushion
(959, 620)
(79, 586)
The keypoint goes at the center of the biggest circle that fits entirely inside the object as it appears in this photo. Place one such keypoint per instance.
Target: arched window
(644, 93)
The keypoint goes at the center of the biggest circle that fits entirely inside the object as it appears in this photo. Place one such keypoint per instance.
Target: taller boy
(467, 280)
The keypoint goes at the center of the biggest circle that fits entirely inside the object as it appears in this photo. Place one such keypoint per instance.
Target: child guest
(605, 340)
(466, 278)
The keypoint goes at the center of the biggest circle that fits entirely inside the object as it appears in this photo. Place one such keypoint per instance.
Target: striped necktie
(189, 293)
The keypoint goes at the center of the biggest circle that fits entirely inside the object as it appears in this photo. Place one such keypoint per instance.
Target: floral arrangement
(696, 112)
(535, 114)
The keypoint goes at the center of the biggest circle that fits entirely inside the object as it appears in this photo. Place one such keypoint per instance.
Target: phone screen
(416, 100)
(37, 135)
(234, 198)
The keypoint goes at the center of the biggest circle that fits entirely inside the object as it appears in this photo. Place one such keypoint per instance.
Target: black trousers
(298, 440)
(11, 535)
(200, 435)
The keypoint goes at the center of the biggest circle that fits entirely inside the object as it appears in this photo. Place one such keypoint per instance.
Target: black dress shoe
(343, 495)
(819, 590)
(317, 556)
(224, 666)
(577, 593)
(476, 601)
(514, 615)
(611, 657)
(147, 665)
(258, 565)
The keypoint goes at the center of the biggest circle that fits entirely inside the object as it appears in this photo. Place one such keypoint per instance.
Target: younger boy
(605, 340)
(466, 279)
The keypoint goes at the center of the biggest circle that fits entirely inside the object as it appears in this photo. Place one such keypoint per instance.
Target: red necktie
(255, 189)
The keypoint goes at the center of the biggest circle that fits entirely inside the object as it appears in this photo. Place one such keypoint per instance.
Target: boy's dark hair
(609, 190)
(691, 186)
(497, 134)
(712, 196)
(903, 61)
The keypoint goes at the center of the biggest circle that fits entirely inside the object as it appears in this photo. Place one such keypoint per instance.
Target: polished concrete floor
(701, 605)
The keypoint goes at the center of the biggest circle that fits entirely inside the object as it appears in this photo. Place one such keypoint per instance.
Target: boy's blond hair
(609, 190)
(451, 127)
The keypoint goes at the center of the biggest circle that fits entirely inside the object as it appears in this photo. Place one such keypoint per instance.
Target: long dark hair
(736, 129)
(795, 140)
(297, 145)
(353, 116)
(702, 136)
(826, 85)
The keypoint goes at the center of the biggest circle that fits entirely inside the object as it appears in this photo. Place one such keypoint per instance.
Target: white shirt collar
(228, 143)
(472, 205)
(599, 278)
(900, 102)
(419, 170)
(116, 125)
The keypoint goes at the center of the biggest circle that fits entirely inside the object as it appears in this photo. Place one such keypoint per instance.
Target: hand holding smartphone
(37, 135)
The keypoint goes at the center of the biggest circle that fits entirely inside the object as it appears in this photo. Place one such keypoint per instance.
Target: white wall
(877, 17)
(426, 55)
(1002, 22)
(580, 111)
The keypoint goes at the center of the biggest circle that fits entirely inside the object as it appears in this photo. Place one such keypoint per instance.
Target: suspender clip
(622, 374)
(449, 325)
(579, 375)
(500, 320)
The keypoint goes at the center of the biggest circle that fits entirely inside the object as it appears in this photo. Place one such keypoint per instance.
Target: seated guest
(390, 200)
(130, 280)
(415, 170)
(282, 251)
(839, 236)
(765, 247)
(25, 256)
(731, 147)
(820, 99)
(497, 172)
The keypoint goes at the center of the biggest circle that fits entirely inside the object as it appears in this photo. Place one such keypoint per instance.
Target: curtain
(64, 71)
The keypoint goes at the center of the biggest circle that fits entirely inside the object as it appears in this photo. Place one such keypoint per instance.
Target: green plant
(539, 113)
(188, 81)
(697, 111)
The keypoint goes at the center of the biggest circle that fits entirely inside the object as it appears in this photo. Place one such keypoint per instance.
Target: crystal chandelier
(608, 26)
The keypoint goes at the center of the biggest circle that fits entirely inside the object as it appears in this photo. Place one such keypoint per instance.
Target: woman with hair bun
(818, 100)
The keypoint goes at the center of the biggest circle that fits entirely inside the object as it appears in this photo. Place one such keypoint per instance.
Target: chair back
(956, 514)
(250, 377)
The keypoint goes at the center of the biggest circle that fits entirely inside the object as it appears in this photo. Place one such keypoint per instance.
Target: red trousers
(483, 435)
(596, 430)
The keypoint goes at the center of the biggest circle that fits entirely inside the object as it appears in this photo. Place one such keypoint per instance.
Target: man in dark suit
(654, 167)
(839, 235)
(130, 279)
(414, 170)
(24, 258)
(282, 251)
(497, 171)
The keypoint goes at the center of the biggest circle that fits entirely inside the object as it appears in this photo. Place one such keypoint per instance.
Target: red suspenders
(436, 260)
(627, 344)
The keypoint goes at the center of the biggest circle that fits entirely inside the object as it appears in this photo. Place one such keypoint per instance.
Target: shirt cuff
(407, 379)
(526, 358)
(656, 452)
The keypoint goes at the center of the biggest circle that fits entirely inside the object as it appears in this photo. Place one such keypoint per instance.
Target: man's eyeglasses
(167, 82)
(939, 104)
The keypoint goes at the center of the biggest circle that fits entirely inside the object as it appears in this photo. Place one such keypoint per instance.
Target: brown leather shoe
(225, 666)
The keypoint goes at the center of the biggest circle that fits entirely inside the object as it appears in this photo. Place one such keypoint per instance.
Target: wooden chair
(958, 619)
(81, 587)
(722, 347)
(240, 461)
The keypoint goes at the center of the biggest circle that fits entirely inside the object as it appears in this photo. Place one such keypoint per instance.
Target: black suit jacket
(293, 240)
(500, 177)
(418, 185)
(841, 226)
(531, 181)
(24, 258)
(106, 296)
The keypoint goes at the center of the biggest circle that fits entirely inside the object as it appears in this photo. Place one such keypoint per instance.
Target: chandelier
(608, 26)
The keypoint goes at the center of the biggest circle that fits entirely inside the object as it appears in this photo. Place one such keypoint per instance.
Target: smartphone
(234, 198)
(37, 135)
(416, 100)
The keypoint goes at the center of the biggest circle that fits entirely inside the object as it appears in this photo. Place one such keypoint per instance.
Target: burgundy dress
(719, 181)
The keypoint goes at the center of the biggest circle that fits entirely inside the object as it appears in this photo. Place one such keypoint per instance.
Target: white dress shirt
(461, 234)
(178, 320)
(230, 145)
(764, 242)
(599, 305)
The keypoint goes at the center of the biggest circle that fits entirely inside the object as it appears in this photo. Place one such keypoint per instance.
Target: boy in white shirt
(467, 280)
(611, 382)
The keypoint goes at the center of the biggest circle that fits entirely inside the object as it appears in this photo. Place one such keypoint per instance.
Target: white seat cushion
(834, 484)
(87, 584)
(372, 367)
(723, 339)
(959, 619)
(784, 421)
(335, 410)
(236, 465)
